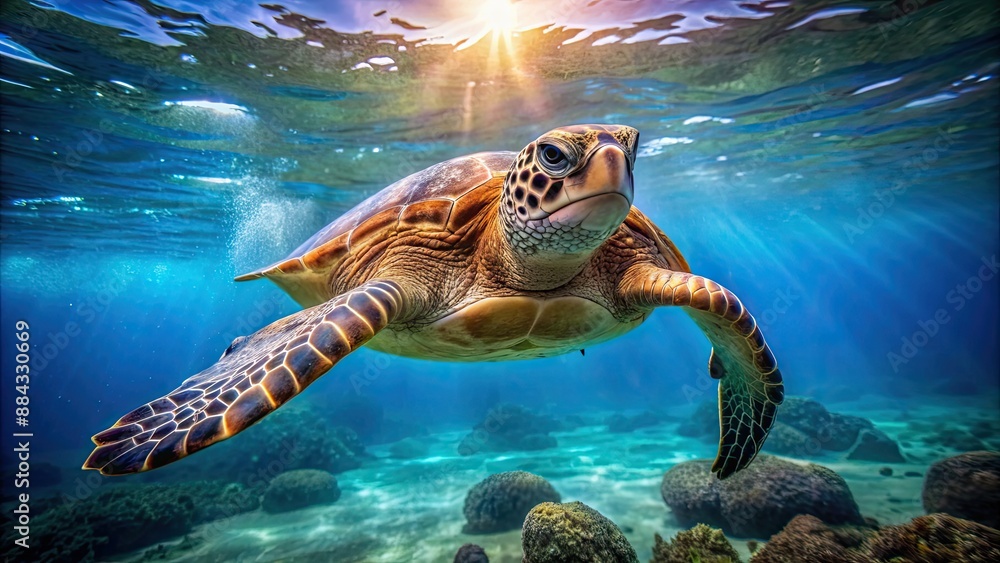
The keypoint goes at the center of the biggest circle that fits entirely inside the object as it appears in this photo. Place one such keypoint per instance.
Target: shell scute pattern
(443, 183)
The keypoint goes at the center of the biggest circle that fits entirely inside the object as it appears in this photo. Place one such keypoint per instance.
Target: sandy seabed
(411, 510)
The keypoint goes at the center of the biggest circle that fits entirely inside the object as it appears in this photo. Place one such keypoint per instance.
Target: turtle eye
(553, 158)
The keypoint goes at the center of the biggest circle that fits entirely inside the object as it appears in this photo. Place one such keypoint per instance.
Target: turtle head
(569, 190)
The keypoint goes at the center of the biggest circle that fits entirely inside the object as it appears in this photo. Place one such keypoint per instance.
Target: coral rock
(807, 538)
(300, 488)
(701, 543)
(117, 519)
(510, 428)
(471, 553)
(408, 448)
(874, 445)
(966, 486)
(557, 533)
(937, 538)
(292, 437)
(790, 441)
(620, 423)
(760, 500)
(501, 501)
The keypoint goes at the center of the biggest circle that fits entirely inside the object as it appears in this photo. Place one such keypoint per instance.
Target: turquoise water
(834, 164)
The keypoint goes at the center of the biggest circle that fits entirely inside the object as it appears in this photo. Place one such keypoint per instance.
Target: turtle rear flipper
(252, 379)
(750, 385)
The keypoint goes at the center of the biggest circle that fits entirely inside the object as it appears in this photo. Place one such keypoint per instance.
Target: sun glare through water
(497, 17)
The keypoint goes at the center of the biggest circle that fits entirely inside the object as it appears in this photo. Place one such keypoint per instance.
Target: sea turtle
(491, 256)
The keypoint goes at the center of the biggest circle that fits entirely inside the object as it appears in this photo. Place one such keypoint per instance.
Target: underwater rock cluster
(704, 422)
(300, 488)
(369, 420)
(966, 486)
(556, 533)
(293, 437)
(950, 434)
(758, 501)
(408, 448)
(118, 519)
(701, 543)
(804, 428)
(620, 423)
(875, 445)
(836, 432)
(936, 538)
(501, 501)
(471, 553)
(510, 428)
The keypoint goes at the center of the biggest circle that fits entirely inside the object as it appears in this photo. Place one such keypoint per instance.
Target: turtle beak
(599, 196)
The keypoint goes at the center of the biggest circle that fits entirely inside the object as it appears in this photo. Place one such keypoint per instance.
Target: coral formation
(759, 500)
(957, 439)
(555, 533)
(300, 488)
(835, 432)
(788, 440)
(807, 538)
(704, 422)
(510, 428)
(368, 419)
(619, 423)
(408, 448)
(804, 428)
(471, 553)
(936, 538)
(702, 543)
(122, 518)
(501, 501)
(874, 445)
(966, 486)
(293, 437)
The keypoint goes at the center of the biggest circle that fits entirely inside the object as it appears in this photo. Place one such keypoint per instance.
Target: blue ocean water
(835, 165)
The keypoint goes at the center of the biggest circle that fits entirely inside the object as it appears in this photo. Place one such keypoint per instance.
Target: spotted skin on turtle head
(534, 190)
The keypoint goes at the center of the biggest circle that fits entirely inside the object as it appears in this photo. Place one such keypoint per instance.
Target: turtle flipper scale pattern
(255, 376)
(750, 384)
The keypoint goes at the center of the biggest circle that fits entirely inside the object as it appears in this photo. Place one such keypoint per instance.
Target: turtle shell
(428, 196)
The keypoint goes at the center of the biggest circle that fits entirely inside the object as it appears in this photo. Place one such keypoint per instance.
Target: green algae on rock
(573, 532)
(701, 543)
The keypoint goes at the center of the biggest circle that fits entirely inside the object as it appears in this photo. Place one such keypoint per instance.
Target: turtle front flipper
(254, 377)
(750, 387)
